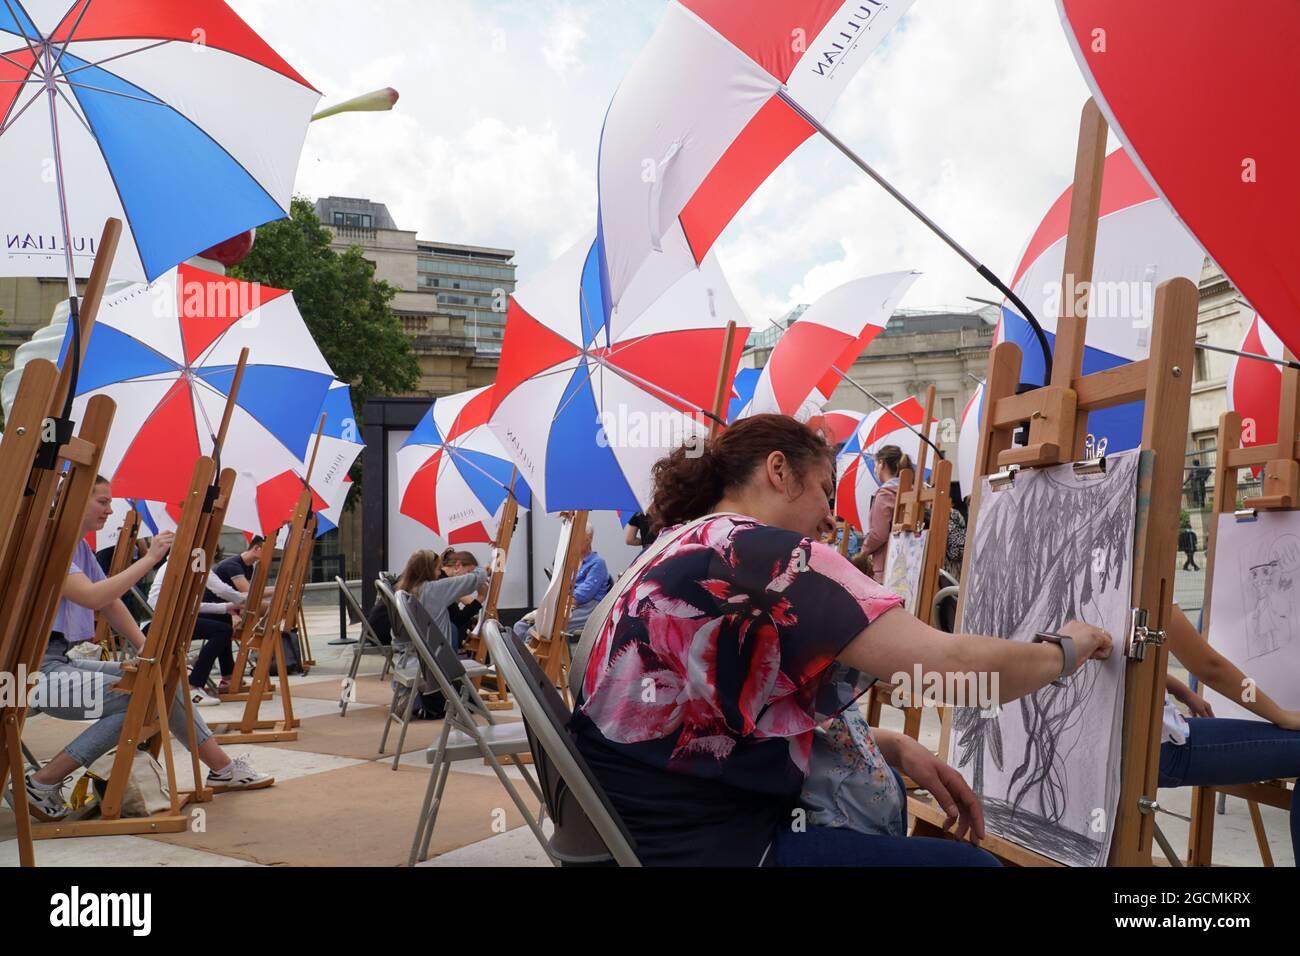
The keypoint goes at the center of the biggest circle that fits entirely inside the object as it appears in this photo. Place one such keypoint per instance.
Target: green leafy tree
(347, 309)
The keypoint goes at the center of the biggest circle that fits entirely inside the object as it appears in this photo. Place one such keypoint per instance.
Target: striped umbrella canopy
(586, 408)
(713, 105)
(1147, 64)
(167, 352)
(1255, 387)
(1139, 245)
(800, 373)
(856, 463)
(453, 475)
(175, 118)
(839, 425)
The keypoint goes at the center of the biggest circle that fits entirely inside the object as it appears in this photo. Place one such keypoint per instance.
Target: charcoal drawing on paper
(1255, 616)
(903, 567)
(1052, 547)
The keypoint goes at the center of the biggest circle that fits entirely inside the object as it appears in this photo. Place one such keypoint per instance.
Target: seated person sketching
(237, 570)
(736, 627)
(88, 590)
(464, 611)
(420, 579)
(1206, 751)
(590, 585)
(219, 615)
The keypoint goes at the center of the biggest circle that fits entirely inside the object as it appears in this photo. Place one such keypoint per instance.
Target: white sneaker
(46, 804)
(238, 776)
(201, 698)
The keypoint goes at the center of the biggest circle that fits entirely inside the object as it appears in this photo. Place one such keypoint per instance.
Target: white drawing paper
(1255, 612)
(1052, 547)
(903, 567)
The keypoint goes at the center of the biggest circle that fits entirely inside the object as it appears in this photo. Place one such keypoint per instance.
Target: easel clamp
(1002, 479)
(1091, 466)
(1140, 637)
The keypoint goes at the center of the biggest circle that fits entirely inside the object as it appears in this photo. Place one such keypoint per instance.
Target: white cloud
(564, 37)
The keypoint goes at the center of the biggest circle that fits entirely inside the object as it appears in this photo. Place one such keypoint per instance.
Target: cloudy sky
(971, 108)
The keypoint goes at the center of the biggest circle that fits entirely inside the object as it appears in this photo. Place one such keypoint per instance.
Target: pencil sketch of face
(1263, 578)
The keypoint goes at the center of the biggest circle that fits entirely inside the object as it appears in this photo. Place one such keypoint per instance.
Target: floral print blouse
(710, 663)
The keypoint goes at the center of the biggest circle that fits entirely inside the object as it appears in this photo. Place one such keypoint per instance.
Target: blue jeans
(835, 846)
(1222, 751)
(83, 689)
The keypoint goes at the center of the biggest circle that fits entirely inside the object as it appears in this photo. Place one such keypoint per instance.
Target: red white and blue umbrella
(453, 476)
(1153, 65)
(800, 373)
(174, 117)
(706, 114)
(585, 408)
(839, 424)
(339, 447)
(856, 463)
(1140, 244)
(167, 352)
(1255, 387)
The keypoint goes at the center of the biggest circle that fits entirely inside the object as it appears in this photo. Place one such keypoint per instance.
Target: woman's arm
(98, 595)
(1212, 668)
(1194, 701)
(949, 789)
(120, 620)
(893, 644)
(443, 591)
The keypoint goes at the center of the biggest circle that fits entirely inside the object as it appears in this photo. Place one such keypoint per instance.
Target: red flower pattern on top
(720, 644)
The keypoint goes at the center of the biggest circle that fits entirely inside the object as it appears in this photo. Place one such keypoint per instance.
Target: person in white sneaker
(87, 589)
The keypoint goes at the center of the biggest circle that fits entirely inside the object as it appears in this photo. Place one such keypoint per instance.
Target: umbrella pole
(720, 392)
(984, 271)
(64, 426)
(911, 428)
(311, 465)
(219, 440)
(80, 321)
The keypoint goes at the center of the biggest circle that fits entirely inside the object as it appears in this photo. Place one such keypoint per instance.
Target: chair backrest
(385, 592)
(439, 659)
(587, 827)
(944, 612)
(355, 614)
(349, 602)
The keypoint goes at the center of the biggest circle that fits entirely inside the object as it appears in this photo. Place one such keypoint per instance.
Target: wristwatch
(1069, 656)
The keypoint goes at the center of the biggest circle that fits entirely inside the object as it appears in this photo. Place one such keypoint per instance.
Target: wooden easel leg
(11, 762)
(1261, 837)
(1200, 839)
(201, 794)
(165, 739)
(304, 642)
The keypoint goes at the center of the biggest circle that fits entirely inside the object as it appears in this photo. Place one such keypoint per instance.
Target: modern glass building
(473, 282)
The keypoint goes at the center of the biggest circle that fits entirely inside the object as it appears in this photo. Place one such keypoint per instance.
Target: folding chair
(369, 641)
(588, 830)
(406, 687)
(400, 707)
(461, 738)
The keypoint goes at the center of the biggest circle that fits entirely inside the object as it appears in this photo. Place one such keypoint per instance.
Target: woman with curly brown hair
(697, 704)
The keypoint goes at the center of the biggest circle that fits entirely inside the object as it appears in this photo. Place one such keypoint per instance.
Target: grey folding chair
(406, 686)
(588, 830)
(369, 642)
(462, 738)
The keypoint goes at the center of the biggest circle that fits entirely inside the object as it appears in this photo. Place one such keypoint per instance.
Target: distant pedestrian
(1187, 545)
